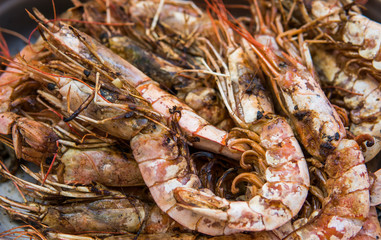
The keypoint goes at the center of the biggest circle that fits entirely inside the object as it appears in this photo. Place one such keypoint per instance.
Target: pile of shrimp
(154, 119)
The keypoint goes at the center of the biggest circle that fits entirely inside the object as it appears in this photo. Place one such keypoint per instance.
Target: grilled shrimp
(174, 26)
(203, 99)
(371, 228)
(105, 215)
(15, 83)
(106, 166)
(357, 37)
(205, 135)
(347, 203)
(32, 140)
(250, 106)
(194, 90)
(346, 207)
(315, 120)
(363, 98)
(165, 169)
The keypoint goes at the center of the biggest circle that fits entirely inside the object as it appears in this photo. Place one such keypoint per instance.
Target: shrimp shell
(347, 205)
(357, 31)
(364, 106)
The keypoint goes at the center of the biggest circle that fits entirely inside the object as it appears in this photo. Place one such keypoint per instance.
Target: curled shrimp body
(363, 101)
(250, 106)
(176, 190)
(346, 207)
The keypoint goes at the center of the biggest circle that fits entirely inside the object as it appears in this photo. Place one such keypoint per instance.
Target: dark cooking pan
(14, 17)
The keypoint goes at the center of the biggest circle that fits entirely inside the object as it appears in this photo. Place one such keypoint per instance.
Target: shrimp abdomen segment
(317, 123)
(347, 204)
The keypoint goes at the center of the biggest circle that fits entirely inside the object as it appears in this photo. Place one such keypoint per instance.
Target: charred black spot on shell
(310, 86)
(259, 115)
(195, 139)
(337, 136)
(300, 115)
(326, 148)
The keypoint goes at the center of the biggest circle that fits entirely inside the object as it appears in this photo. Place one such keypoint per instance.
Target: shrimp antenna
(261, 50)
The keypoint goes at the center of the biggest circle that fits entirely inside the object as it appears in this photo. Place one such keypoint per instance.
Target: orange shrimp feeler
(262, 51)
(51, 165)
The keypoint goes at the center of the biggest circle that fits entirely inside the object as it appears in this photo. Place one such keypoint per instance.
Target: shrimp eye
(49, 160)
(51, 86)
(86, 72)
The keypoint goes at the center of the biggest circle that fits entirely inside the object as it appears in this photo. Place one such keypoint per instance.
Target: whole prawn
(347, 203)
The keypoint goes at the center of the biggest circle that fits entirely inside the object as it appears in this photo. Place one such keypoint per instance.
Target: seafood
(205, 135)
(250, 106)
(106, 166)
(300, 95)
(346, 207)
(32, 140)
(362, 97)
(183, 20)
(357, 37)
(16, 88)
(193, 88)
(371, 228)
(164, 167)
(100, 108)
(318, 125)
(174, 236)
(104, 215)
(203, 99)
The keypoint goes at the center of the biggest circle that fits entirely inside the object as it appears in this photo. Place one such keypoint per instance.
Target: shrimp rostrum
(176, 189)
